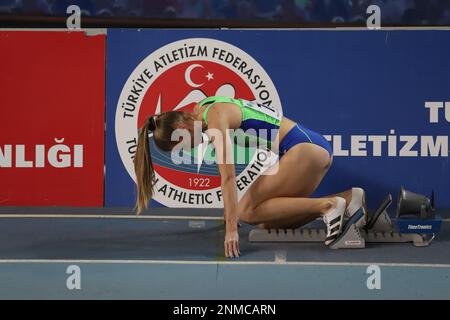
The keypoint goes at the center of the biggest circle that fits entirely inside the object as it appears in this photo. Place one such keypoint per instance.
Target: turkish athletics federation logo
(176, 77)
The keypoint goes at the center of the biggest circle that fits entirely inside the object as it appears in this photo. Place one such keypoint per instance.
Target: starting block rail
(355, 234)
(319, 235)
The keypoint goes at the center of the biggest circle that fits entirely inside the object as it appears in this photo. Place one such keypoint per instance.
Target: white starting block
(378, 229)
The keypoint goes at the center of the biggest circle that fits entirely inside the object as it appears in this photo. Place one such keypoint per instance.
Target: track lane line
(116, 216)
(104, 216)
(196, 262)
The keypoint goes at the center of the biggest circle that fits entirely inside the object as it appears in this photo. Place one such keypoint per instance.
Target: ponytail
(143, 167)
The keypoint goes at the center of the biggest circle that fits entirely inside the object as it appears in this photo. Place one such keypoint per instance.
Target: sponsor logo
(176, 77)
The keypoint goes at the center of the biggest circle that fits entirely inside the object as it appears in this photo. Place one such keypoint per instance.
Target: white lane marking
(191, 262)
(118, 216)
(104, 216)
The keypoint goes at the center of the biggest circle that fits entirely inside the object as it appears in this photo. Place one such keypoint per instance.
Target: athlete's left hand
(232, 243)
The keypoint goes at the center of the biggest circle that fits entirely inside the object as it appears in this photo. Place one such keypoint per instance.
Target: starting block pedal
(351, 236)
(379, 229)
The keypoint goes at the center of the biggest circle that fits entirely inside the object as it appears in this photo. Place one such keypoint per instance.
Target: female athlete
(279, 200)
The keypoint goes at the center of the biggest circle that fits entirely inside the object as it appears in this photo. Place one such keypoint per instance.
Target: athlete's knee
(251, 219)
(321, 165)
(247, 216)
(247, 213)
(245, 209)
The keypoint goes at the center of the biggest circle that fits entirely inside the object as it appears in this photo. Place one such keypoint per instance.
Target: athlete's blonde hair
(162, 126)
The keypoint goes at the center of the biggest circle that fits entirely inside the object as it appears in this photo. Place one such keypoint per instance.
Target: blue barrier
(378, 96)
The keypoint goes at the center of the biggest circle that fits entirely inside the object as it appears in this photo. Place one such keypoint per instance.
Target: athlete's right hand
(231, 243)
